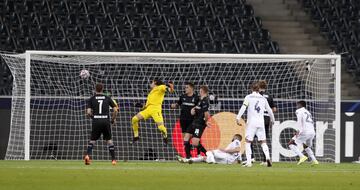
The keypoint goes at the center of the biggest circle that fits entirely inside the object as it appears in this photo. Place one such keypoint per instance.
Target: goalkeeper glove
(170, 85)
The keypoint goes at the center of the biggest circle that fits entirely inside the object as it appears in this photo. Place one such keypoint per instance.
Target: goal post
(49, 98)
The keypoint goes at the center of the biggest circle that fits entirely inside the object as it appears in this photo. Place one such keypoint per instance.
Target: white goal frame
(336, 63)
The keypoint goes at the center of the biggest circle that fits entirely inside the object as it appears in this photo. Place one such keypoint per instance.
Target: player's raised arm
(231, 150)
(115, 107)
(177, 104)
(170, 87)
(242, 110)
(88, 110)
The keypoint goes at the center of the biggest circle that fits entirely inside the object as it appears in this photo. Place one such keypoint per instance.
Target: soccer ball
(84, 74)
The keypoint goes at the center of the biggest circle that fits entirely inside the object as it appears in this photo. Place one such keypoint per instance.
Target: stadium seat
(155, 26)
(44, 44)
(337, 22)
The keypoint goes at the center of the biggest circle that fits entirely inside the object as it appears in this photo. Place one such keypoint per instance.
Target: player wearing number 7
(153, 109)
(98, 109)
(255, 104)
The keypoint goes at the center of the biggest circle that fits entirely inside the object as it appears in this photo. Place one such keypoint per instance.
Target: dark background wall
(350, 113)
(5, 115)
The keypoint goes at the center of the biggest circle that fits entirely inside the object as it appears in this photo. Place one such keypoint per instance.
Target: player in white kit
(255, 104)
(305, 135)
(229, 155)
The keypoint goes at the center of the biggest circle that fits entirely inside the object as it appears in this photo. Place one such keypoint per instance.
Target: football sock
(265, 149)
(198, 159)
(89, 148)
(135, 126)
(310, 153)
(296, 150)
(187, 148)
(163, 130)
(200, 148)
(248, 153)
(112, 151)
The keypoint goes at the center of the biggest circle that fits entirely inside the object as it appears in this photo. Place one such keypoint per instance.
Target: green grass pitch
(53, 175)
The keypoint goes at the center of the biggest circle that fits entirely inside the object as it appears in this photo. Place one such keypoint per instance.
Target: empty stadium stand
(338, 21)
(215, 26)
(290, 26)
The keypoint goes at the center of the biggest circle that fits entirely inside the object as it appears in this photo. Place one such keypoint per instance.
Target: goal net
(49, 98)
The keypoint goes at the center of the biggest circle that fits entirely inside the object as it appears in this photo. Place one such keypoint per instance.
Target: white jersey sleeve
(234, 144)
(243, 108)
(233, 156)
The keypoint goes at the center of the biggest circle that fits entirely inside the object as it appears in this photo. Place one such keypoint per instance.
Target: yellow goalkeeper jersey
(156, 96)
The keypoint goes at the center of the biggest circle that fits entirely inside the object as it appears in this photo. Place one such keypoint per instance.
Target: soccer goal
(48, 100)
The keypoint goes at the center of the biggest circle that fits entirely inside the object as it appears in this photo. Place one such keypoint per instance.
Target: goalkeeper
(153, 109)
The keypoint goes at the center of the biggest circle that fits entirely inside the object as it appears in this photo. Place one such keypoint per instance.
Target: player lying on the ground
(186, 102)
(153, 109)
(305, 135)
(255, 104)
(228, 155)
(98, 109)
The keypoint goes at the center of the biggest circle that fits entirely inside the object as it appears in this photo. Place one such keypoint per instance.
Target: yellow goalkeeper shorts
(153, 112)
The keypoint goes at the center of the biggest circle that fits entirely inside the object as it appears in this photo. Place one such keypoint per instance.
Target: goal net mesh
(59, 128)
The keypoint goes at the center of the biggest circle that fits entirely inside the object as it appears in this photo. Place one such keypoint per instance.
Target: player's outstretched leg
(87, 159)
(180, 159)
(296, 150)
(135, 126)
(163, 131)
(210, 159)
(310, 153)
(196, 160)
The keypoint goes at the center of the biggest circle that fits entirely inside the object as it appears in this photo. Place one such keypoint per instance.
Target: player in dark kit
(98, 109)
(197, 127)
(262, 91)
(186, 102)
